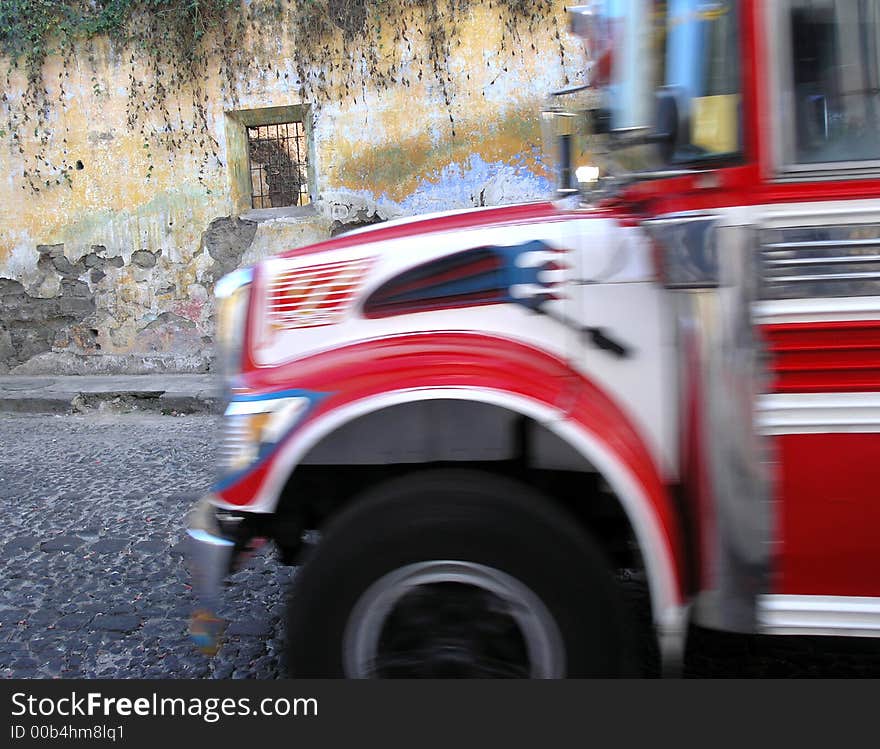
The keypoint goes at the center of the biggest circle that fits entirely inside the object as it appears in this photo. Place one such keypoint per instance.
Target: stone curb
(170, 394)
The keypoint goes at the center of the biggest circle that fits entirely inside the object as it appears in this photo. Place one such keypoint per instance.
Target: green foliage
(172, 47)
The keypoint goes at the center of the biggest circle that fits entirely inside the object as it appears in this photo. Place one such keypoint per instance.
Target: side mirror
(560, 131)
(569, 119)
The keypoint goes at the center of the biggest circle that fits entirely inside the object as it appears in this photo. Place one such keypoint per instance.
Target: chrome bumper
(210, 556)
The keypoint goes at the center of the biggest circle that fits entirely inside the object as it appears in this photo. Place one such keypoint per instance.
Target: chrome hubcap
(446, 618)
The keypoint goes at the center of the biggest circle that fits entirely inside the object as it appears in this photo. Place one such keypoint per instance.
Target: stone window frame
(238, 161)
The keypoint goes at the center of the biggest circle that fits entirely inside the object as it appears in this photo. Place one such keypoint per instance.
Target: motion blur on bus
(547, 440)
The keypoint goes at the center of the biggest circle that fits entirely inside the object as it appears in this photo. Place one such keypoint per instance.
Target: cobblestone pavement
(92, 581)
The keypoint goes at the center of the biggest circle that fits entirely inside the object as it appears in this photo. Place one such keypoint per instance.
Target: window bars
(277, 158)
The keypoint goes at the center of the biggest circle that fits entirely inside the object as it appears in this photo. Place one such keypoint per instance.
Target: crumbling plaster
(115, 273)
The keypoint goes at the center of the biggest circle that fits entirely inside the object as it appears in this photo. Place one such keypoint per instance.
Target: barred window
(278, 164)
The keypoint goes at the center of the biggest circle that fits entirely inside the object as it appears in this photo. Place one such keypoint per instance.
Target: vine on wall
(172, 47)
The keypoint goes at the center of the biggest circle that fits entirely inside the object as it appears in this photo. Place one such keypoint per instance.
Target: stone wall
(115, 272)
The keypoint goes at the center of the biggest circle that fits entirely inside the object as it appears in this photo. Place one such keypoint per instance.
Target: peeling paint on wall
(116, 272)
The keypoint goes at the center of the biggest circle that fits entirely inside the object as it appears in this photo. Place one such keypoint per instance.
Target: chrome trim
(824, 260)
(284, 411)
(538, 627)
(828, 170)
(273, 402)
(851, 616)
(234, 437)
(209, 558)
(819, 413)
(678, 219)
(659, 173)
(819, 261)
(826, 277)
(688, 250)
(823, 243)
(817, 310)
(721, 374)
(204, 537)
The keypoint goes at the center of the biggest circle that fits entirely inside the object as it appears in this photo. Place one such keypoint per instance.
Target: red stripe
(512, 214)
(826, 357)
(828, 515)
(330, 265)
(435, 304)
(464, 270)
(324, 301)
(370, 368)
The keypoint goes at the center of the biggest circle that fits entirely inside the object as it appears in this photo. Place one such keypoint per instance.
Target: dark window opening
(836, 75)
(278, 163)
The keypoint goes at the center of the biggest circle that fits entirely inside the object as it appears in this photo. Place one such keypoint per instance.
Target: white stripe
(537, 258)
(857, 616)
(282, 290)
(314, 276)
(818, 413)
(817, 310)
(815, 213)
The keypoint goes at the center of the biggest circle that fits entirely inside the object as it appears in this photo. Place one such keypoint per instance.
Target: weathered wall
(115, 272)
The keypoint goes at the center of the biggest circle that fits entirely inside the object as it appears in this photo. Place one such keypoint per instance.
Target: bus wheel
(455, 573)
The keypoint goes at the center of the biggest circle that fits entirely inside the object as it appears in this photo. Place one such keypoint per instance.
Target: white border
(669, 613)
(852, 616)
(818, 413)
(825, 309)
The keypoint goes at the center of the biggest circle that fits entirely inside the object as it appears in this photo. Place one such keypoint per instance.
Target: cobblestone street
(93, 582)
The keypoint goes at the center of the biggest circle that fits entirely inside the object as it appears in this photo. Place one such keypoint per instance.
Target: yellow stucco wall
(375, 155)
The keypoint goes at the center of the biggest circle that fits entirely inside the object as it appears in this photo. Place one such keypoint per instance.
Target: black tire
(474, 517)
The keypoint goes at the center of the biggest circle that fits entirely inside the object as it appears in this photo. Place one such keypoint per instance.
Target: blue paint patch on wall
(476, 183)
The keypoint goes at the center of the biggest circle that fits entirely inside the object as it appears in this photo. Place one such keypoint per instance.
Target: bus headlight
(253, 425)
